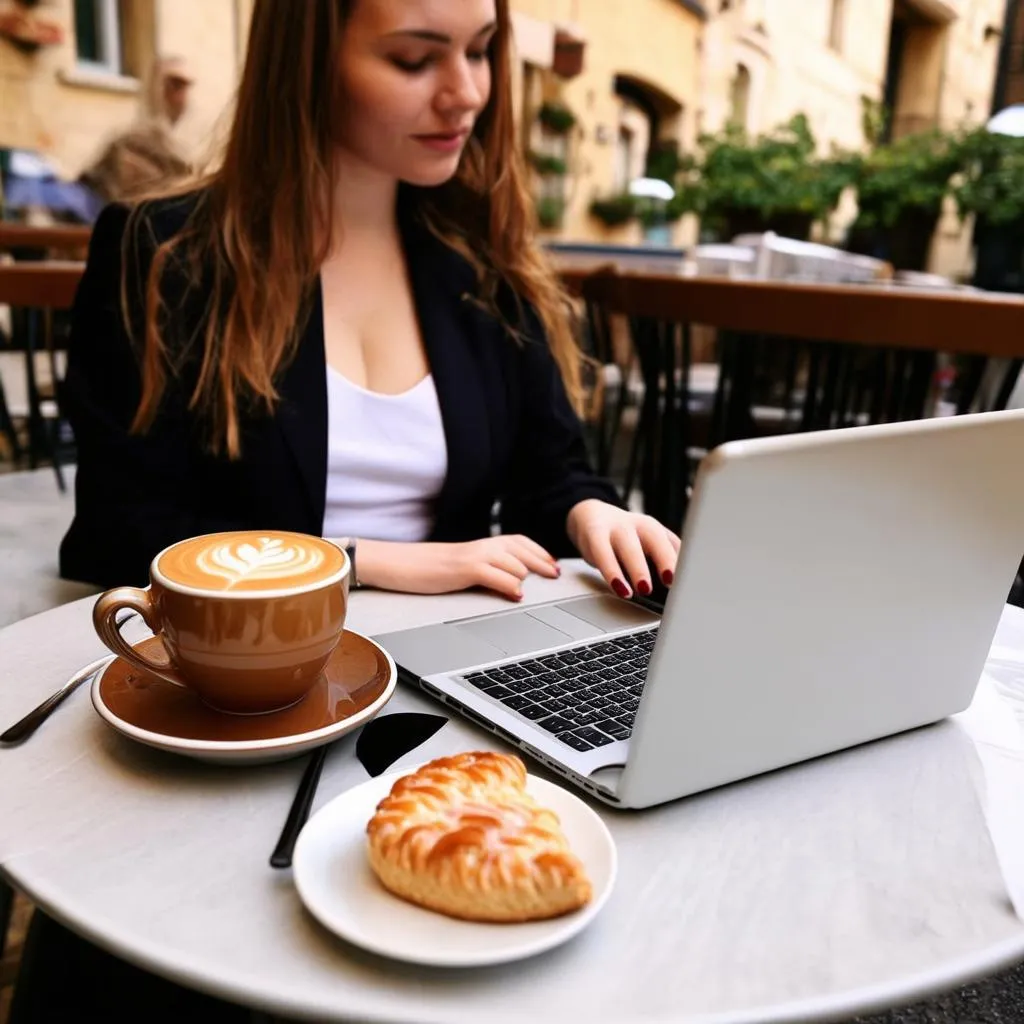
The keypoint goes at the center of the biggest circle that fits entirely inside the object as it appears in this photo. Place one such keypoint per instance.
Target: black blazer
(511, 433)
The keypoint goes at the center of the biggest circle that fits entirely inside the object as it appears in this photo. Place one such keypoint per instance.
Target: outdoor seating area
(681, 363)
(510, 511)
(778, 351)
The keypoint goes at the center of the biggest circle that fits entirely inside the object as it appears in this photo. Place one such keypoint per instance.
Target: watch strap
(350, 550)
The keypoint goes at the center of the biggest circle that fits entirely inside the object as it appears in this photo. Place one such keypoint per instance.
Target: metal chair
(35, 291)
(793, 357)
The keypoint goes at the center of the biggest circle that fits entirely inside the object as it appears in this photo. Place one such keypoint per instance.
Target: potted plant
(551, 163)
(547, 164)
(556, 118)
(614, 210)
(901, 187)
(991, 189)
(550, 212)
(771, 183)
(666, 162)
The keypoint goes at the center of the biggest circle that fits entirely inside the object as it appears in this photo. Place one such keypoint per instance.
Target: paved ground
(33, 517)
(998, 1000)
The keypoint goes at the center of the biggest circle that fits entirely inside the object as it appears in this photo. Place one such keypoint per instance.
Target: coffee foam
(251, 561)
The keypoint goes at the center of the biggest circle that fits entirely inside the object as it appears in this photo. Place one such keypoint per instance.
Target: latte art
(268, 559)
(251, 561)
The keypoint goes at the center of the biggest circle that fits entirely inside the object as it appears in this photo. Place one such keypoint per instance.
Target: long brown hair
(261, 229)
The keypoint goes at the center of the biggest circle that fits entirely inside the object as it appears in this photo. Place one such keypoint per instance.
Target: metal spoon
(21, 730)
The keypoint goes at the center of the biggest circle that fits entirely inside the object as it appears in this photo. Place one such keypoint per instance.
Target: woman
(146, 156)
(348, 329)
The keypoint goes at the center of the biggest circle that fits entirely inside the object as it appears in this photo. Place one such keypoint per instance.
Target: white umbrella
(1009, 121)
(651, 188)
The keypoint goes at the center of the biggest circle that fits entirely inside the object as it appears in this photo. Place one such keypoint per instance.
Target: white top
(386, 461)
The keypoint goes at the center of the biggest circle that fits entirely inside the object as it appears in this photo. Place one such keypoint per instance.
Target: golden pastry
(463, 837)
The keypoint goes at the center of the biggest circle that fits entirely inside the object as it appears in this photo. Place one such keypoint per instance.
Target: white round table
(844, 885)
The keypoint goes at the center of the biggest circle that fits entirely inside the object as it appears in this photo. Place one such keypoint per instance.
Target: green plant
(774, 174)
(550, 211)
(992, 184)
(557, 118)
(614, 210)
(665, 162)
(874, 118)
(652, 212)
(546, 164)
(910, 175)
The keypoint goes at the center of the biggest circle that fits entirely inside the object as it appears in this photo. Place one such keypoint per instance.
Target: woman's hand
(618, 543)
(497, 563)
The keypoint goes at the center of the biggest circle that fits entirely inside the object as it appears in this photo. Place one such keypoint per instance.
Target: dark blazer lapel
(303, 411)
(453, 327)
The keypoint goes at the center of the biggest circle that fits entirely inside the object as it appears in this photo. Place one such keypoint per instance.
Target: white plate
(337, 885)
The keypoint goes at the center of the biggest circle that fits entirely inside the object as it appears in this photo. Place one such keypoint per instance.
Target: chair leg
(643, 425)
(35, 414)
(1009, 382)
(39, 432)
(6, 905)
(7, 428)
(53, 443)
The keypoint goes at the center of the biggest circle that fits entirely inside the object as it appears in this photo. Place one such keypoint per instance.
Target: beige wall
(972, 54)
(44, 106)
(656, 41)
(785, 45)
(948, 79)
(965, 81)
(950, 64)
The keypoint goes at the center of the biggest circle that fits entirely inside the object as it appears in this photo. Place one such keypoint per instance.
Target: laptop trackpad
(448, 647)
(518, 633)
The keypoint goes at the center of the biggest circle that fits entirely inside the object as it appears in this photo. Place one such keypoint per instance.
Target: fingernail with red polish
(643, 588)
(667, 577)
(620, 588)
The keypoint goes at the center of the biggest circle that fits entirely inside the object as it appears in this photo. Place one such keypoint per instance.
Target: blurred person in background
(146, 157)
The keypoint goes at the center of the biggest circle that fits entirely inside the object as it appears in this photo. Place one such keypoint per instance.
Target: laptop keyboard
(585, 696)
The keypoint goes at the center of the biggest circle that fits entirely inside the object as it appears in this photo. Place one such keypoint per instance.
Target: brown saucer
(358, 678)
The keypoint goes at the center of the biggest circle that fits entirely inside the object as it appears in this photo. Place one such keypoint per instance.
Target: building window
(98, 35)
(114, 37)
(740, 96)
(835, 28)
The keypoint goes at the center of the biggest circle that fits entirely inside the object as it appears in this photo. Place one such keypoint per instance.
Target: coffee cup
(248, 619)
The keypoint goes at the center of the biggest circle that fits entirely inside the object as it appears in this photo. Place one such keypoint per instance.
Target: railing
(968, 322)
(706, 360)
(65, 239)
(48, 285)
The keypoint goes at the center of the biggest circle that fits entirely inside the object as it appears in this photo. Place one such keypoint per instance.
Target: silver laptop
(832, 588)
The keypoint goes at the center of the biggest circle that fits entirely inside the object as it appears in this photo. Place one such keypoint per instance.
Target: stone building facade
(634, 74)
(639, 85)
(64, 100)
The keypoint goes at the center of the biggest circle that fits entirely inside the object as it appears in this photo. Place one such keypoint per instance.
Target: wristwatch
(349, 544)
